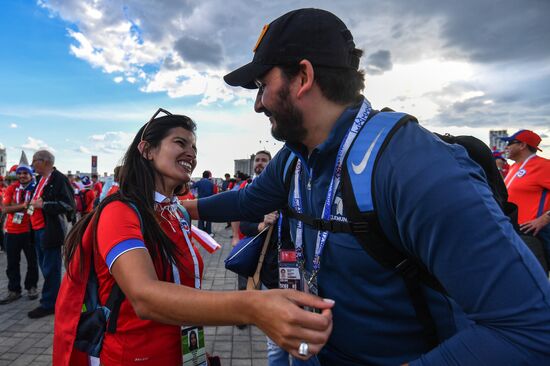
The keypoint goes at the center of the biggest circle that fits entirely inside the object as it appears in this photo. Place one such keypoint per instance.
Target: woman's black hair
(137, 187)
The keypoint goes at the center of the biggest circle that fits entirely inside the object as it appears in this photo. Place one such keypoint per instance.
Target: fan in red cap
(528, 183)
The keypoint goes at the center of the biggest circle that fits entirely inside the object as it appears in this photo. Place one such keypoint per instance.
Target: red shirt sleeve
(118, 224)
(8, 194)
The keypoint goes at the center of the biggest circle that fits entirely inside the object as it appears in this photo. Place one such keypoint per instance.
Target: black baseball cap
(313, 34)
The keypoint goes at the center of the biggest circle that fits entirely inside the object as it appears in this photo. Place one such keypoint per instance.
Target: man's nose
(258, 106)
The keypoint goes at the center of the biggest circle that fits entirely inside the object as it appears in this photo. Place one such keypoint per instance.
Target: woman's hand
(280, 316)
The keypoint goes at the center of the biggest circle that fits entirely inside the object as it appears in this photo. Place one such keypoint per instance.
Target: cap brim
(244, 76)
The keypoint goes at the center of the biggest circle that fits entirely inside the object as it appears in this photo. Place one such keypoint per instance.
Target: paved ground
(24, 341)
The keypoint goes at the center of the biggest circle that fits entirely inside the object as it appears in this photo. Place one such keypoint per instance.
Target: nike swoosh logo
(358, 168)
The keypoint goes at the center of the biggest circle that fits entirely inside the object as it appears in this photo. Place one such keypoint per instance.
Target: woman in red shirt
(158, 268)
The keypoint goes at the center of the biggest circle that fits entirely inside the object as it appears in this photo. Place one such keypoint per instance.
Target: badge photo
(192, 346)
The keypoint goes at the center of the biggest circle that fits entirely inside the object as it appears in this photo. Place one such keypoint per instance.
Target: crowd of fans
(403, 247)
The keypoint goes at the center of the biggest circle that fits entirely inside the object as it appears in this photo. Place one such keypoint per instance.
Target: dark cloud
(488, 31)
(171, 64)
(196, 50)
(496, 108)
(378, 62)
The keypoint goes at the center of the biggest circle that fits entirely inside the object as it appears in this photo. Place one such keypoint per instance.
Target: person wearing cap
(18, 236)
(51, 205)
(86, 195)
(432, 201)
(528, 184)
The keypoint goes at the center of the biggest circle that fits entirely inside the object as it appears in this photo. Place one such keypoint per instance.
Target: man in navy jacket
(432, 202)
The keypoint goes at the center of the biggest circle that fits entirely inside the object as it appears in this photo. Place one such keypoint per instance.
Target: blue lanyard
(280, 230)
(322, 236)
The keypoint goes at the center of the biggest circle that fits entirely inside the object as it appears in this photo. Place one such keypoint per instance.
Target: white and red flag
(205, 240)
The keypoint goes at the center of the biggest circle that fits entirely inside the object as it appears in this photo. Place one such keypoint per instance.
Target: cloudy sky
(80, 77)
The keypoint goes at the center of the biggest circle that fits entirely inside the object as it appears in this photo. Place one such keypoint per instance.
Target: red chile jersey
(527, 183)
(137, 341)
(15, 195)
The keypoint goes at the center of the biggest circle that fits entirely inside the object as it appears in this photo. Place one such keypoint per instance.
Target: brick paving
(25, 341)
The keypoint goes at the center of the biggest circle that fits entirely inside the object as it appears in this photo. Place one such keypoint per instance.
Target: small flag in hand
(205, 240)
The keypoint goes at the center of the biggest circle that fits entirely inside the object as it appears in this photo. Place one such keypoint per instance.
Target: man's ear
(143, 149)
(306, 77)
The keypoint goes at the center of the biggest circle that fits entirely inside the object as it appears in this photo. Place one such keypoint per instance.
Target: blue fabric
(243, 258)
(204, 187)
(205, 226)
(544, 236)
(49, 261)
(122, 247)
(433, 202)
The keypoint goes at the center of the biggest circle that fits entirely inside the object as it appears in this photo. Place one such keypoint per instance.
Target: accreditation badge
(192, 346)
(30, 210)
(289, 273)
(17, 218)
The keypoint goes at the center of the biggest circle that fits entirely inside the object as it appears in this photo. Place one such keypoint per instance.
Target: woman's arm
(276, 312)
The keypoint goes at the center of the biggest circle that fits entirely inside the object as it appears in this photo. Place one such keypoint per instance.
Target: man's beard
(289, 121)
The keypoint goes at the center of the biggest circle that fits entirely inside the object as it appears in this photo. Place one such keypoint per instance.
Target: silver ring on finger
(303, 350)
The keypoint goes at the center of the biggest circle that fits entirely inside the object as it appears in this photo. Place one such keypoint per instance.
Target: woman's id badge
(289, 274)
(192, 346)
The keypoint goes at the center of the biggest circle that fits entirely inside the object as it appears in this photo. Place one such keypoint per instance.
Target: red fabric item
(10, 197)
(98, 187)
(186, 197)
(136, 341)
(89, 197)
(114, 188)
(205, 240)
(37, 218)
(525, 190)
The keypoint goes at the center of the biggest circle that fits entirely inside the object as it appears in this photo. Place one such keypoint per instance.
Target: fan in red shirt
(528, 183)
(18, 237)
(87, 195)
(97, 187)
(139, 238)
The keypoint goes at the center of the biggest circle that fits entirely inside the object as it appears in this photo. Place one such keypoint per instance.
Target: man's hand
(536, 225)
(37, 203)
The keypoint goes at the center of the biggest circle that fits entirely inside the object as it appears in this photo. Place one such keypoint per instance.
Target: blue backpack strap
(288, 171)
(364, 153)
(359, 205)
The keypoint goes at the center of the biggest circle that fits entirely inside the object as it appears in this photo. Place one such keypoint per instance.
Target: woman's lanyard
(520, 173)
(174, 210)
(183, 226)
(322, 236)
(280, 231)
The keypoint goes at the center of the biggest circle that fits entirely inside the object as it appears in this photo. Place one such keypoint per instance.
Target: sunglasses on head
(160, 110)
